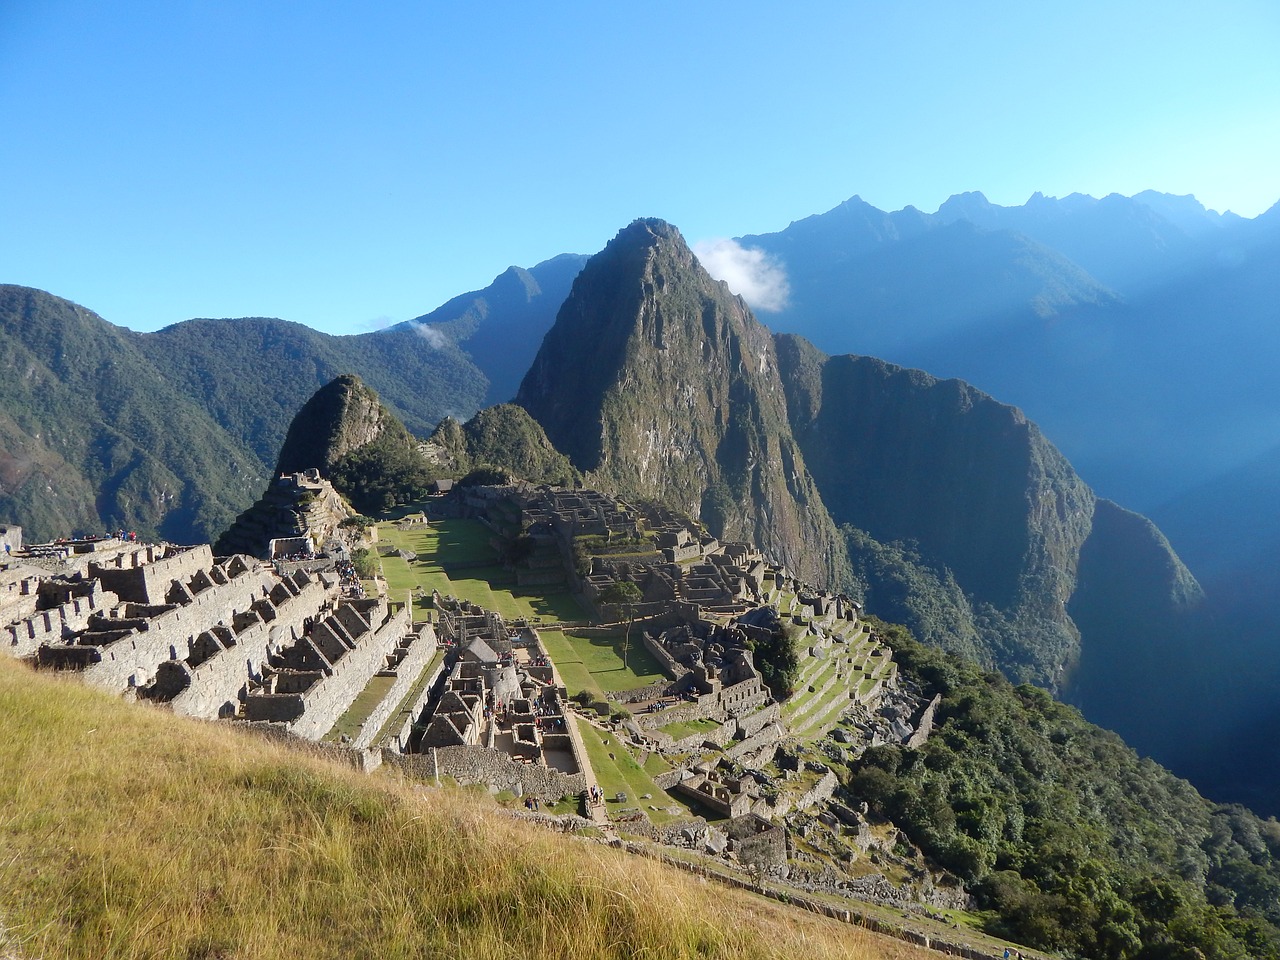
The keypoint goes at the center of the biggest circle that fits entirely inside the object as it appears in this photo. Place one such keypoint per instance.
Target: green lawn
(446, 545)
(654, 764)
(685, 728)
(568, 661)
(602, 655)
(623, 774)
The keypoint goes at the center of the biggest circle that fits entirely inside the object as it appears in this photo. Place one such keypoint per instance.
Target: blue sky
(346, 165)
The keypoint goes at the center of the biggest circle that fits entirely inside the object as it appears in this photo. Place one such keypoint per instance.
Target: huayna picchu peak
(657, 382)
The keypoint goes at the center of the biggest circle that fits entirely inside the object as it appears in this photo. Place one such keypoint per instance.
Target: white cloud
(752, 274)
(434, 337)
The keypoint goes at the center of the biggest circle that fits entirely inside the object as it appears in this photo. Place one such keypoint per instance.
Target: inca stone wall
(52, 625)
(327, 700)
(397, 738)
(151, 635)
(480, 765)
(144, 575)
(421, 648)
(214, 685)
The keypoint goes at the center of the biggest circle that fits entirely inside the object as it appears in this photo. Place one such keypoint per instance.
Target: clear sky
(349, 164)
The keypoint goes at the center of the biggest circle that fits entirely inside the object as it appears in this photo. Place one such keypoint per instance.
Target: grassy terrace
(456, 558)
(687, 728)
(617, 772)
(402, 714)
(352, 722)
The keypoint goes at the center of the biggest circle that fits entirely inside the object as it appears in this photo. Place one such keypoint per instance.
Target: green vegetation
(382, 474)
(687, 728)
(255, 374)
(601, 655)
(617, 772)
(93, 437)
(778, 659)
(1073, 841)
(448, 556)
(135, 833)
(573, 671)
(505, 437)
(173, 433)
(621, 592)
(365, 562)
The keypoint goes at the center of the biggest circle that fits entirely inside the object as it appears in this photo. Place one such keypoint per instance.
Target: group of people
(349, 579)
(597, 795)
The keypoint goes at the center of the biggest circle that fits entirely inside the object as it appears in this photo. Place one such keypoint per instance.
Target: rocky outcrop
(658, 383)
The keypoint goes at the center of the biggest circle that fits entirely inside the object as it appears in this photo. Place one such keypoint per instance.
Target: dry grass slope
(128, 832)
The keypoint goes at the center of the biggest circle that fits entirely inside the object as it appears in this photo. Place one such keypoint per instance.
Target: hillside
(253, 374)
(961, 519)
(172, 433)
(501, 326)
(1074, 841)
(1139, 334)
(130, 832)
(503, 436)
(96, 437)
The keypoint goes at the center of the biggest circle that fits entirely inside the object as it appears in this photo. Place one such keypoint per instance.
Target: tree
(622, 592)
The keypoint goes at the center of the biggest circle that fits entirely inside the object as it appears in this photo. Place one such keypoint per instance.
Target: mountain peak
(661, 385)
(341, 416)
(647, 231)
(964, 205)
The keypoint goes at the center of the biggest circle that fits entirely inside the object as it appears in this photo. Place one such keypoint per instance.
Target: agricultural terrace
(593, 660)
(619, 774)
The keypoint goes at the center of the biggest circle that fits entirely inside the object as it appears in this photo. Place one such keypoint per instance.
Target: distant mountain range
(173, 433)
(1106, 320)
(1140, 334)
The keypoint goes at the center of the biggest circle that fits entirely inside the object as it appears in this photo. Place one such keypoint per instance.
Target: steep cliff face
(1147, 662)
(342, 416)
(658, 383)
(971, 526)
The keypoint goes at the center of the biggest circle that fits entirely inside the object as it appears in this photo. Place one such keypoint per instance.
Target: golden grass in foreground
(128, 832)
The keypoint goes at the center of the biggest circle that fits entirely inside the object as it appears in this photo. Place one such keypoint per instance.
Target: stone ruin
(210, 637)
(499, 713)
(296, 516)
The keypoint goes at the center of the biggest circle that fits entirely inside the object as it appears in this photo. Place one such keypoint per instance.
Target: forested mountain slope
(97, 438)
